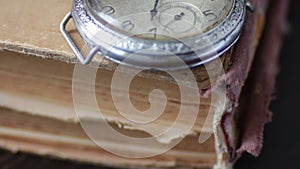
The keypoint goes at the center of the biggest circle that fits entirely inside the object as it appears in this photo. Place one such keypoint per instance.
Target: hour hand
(153, 12)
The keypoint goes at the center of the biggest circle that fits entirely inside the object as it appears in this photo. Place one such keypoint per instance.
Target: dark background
(282, 136)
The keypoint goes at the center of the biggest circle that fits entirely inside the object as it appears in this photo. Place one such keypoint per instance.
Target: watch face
(159, 19)
(152, 32)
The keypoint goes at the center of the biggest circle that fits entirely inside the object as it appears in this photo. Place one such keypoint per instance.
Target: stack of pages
(47, 110)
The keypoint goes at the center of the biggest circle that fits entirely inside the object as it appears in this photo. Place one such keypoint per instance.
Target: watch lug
(84, 60)
(250, 6)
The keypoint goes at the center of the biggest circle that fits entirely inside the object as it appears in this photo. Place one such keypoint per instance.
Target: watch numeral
(127, 25)
(210, 15)
(108, 10)
(154, 30)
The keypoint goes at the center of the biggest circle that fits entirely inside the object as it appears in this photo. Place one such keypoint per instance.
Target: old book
(38, 113)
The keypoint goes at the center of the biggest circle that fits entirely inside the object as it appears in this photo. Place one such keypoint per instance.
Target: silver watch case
(194, 51)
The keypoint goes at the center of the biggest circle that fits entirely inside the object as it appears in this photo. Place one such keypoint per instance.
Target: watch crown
(250, 6)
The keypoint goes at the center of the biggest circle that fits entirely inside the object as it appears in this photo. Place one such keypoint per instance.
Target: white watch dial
(156, 19)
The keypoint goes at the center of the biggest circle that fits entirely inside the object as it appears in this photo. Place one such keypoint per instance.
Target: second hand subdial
(177, 17)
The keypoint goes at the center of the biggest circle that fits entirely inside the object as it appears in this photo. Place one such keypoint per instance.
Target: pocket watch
(154, 33)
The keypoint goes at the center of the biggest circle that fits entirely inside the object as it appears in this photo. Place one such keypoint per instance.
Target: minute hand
(154, 11)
